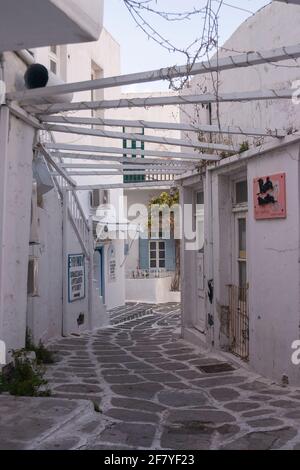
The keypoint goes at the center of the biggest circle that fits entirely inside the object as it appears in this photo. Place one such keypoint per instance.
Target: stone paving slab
(25, 423)
(151, 394)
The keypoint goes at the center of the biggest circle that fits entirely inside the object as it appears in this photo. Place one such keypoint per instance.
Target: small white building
(82, 62)
(44, 250)
(240, 287)
(149, 263)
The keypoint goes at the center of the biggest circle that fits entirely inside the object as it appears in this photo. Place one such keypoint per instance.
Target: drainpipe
(25, 56)
(4, 131)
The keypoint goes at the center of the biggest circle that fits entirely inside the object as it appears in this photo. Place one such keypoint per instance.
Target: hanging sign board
(112, 264)
(76, 277)
(269, 194)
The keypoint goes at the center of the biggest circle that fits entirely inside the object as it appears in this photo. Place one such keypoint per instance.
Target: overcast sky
(140, 54)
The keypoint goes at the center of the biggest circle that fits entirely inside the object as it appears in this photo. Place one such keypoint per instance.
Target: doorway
(99, 272)
(200, 286)
(238, 290)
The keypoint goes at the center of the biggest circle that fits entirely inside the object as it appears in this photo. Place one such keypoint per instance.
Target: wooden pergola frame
(182, 99)
(196, 157)
(214, 65)
(210, 129)
(41, 116)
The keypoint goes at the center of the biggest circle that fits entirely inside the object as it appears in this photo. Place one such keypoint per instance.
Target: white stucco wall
(76, 63)
(274, 272)
(16, 226)
(154, 291)
(74, 309)
(272, 245)
(115, 289)
(156, 114)
(272, 263)
(45, 311)
(273, 26)
(15, 197)
(75, 21)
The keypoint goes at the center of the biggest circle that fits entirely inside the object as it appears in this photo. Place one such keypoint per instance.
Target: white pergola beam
(97, 166)
(20, 113)
(202, 99)
(135, 172)
(56, 165)
(154, 184)
(145, 160)
(121, 168)
(143, 138)
(91, 173)
(116, 150)
(164, 126)
(225, 63)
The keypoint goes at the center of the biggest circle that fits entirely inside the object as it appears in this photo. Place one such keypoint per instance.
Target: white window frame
(239, 211)
(199, 217)
(97, 73)
(99, 197)
(238, 206)
(54, 56)
(157, 258)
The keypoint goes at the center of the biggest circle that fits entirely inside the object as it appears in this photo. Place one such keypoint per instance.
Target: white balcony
(35, 23)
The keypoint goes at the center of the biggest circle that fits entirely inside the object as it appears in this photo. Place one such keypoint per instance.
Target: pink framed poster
(269, 194)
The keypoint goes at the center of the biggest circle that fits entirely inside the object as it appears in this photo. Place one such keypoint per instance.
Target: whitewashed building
(149, 263)
(240, 287)
(74, 63)
(31, 236)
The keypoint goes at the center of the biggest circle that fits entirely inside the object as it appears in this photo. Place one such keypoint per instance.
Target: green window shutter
(130, 176)
(144, 253)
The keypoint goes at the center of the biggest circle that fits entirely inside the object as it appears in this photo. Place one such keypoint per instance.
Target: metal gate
(239, 322)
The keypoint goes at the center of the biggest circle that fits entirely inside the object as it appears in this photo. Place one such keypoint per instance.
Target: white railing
(148, 274)
(69, 197)
(160, 177)
(78, 220)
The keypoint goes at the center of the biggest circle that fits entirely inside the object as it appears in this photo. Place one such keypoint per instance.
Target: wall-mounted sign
(112, 264)
(270, 197)
(76, 277)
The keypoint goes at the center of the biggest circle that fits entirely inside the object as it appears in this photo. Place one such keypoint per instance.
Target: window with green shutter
(130, 176)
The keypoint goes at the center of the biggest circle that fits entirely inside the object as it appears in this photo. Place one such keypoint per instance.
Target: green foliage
(43, 355)
(169, 199)
(166, 199)
(29, 346)
(244, 147)
(25, 378)
(225, 154)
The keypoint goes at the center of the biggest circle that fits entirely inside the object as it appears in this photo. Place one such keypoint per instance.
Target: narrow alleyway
(153, 391)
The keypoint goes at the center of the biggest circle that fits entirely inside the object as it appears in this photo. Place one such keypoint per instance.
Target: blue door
(99, 272)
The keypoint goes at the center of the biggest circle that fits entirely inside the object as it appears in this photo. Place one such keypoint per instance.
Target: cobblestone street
(151, 390)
